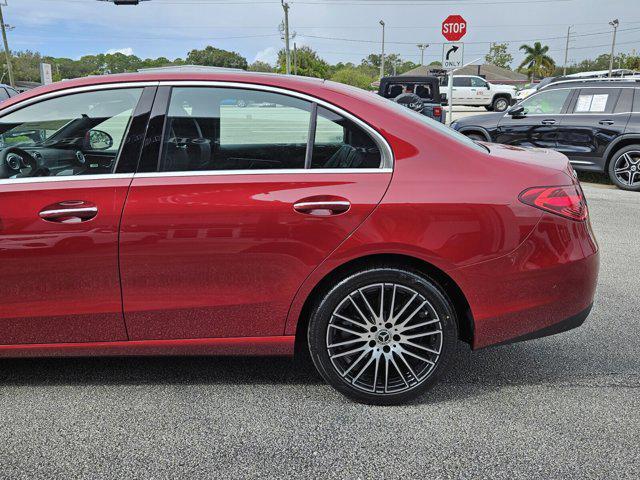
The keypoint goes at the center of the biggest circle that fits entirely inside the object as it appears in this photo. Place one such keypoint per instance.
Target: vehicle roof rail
(630, 78)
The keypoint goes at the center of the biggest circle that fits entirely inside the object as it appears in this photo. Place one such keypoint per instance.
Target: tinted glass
(461, 82)
(478, 82)
(546, 103)
(78, 134)
(3, 94)
(234, 129)
(596, 100)
(340, 143)
(625, 101)
(12, 92)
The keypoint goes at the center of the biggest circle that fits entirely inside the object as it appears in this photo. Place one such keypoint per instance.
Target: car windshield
(441, 128)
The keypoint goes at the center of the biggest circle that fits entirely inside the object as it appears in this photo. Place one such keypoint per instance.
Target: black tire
(489, 108)
(624, 168)
(476, 136)
(385, 344)
(500, 104)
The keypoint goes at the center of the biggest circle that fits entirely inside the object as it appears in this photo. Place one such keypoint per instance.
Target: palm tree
(537, 63)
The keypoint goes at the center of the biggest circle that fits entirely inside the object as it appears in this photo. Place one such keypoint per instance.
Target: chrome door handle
(322, 207)
(70, 211)
(549, 122)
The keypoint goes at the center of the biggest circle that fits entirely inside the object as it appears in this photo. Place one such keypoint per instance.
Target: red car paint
(224, 265)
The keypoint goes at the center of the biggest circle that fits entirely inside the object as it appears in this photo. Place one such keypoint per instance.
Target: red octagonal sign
(454, 27)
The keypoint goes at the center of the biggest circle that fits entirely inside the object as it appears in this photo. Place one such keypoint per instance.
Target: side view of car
(595, 122)
(474, 91)
(149, 214)
(419, 93)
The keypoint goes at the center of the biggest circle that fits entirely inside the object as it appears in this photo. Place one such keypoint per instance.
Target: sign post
(46, 76)
(454, 27)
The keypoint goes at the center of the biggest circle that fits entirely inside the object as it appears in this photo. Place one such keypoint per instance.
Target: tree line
(536, 64)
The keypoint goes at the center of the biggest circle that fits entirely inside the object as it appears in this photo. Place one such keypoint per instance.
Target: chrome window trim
(284, 171)
(64, 178)
(69, 91)
(386, 154)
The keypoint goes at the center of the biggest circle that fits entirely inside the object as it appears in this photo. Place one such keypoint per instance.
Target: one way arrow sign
(452, 55)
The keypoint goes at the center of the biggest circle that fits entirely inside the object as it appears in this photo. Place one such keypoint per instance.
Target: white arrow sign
(452, 55)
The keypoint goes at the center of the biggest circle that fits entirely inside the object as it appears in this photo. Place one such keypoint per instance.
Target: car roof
(593, 82)
(300, 84)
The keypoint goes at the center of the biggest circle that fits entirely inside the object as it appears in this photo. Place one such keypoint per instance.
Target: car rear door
(596, 117)
(61, 198)
(539, 123)
(237, 206)
(462, 91)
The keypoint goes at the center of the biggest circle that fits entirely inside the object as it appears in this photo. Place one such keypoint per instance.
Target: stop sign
(454, 27)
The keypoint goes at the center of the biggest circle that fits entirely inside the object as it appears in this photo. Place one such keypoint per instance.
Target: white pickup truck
(471, 90)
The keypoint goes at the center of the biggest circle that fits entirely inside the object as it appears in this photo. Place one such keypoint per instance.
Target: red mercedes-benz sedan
(250, 214)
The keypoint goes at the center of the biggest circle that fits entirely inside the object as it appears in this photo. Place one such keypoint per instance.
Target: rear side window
(340, 143)
(217, 128)
(596, 100)
(461, 82)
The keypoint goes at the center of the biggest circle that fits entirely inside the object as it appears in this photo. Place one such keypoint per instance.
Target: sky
(340, 30)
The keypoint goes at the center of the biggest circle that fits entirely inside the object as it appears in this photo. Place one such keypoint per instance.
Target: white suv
(471, 90)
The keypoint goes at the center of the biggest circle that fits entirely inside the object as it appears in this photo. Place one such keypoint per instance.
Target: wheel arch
(475, 129)
(451, 288)
(618, 144)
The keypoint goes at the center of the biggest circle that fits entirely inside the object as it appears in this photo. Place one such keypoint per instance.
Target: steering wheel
(7, 165)
(410, 100)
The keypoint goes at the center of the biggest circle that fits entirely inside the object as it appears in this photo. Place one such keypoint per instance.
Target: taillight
(437, 111)
(565, 200)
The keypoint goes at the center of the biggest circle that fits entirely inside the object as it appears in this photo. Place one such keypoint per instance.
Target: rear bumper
(548, 281)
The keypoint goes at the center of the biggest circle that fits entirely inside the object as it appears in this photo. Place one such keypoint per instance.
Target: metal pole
(566, 52)
(295, 59)
(422, 47)
(7, 52)
(382, 57)
(614, 24)
(450, 97)
(285, 6)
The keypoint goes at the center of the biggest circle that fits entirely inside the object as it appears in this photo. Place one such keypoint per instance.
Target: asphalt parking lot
(566, 406)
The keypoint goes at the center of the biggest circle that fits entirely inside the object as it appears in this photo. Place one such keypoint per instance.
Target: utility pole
(7, 52)
(382, 57)
(285, 7)
(295, 59)
(422, 47)
(566, 52)
(614, 24)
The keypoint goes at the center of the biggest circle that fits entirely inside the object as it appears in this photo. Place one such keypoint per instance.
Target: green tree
(215, 57)
(393, 64)
(309, 63)
(353, 76)
(536, 61)
(499, 56)
(259, 66)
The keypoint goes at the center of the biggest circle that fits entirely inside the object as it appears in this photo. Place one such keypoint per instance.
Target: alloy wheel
(627, 168)
(384, 338)
(500, 105)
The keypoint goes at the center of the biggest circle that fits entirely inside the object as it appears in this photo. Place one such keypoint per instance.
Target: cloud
(124, 51)
(269, 55)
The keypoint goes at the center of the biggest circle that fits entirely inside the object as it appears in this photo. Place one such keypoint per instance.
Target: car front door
(596, 117)
(65, 167)
(243, 204)
(538, 123)
(480, 92)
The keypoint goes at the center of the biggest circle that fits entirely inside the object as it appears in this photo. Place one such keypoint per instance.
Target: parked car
(473, 91)
(419, 93)
(141, 218)
(595, 122)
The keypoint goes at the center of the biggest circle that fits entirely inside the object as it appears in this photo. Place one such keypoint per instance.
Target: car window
(210, 128)
(340, 143)
(636, 100)
(478, 82)
(625, 101)
(461, 82)
(549, 102)
(77, 134)
(3, 94)
(12, 92)
(596, 100)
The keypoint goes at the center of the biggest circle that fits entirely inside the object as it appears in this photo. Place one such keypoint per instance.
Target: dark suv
(419, 93)
(595, 122)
